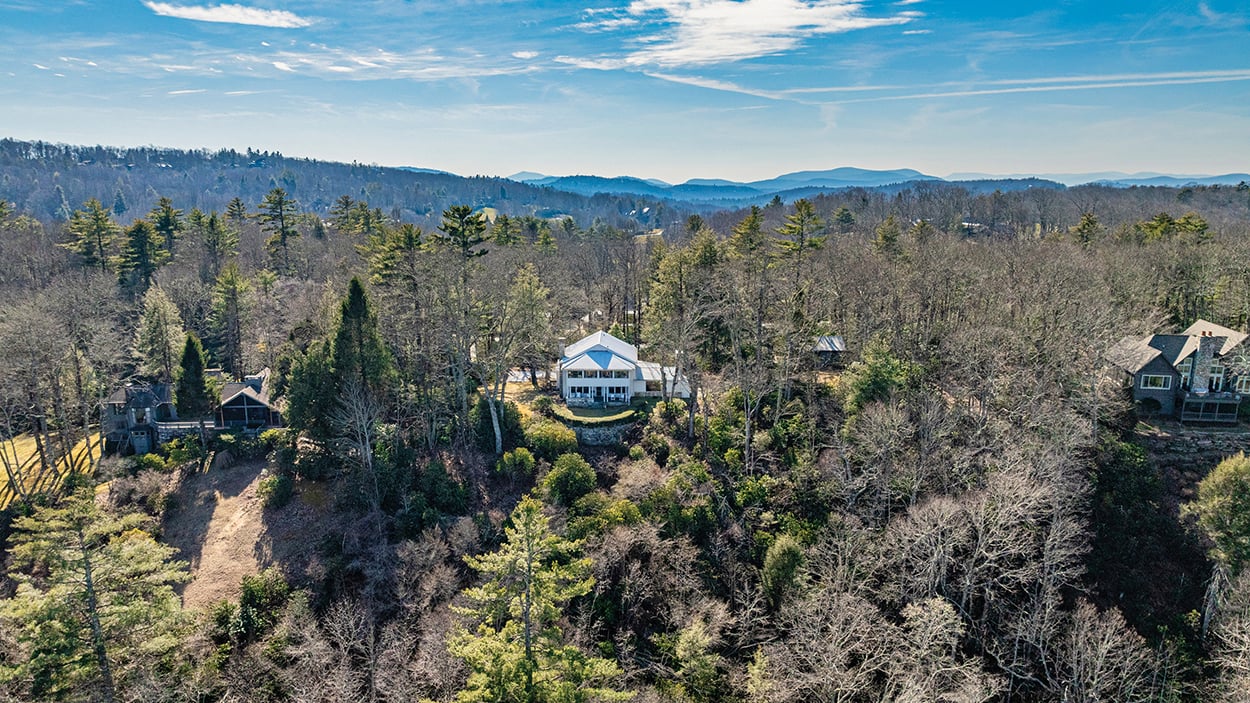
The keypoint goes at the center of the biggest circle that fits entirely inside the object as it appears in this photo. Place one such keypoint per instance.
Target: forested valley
(962, 510)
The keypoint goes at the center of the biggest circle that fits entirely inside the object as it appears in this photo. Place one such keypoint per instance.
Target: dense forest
(962, 511)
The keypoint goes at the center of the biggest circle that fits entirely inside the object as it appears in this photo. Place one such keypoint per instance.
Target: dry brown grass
(21, 455)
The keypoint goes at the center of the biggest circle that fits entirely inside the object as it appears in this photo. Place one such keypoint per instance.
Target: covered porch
(1210, 407)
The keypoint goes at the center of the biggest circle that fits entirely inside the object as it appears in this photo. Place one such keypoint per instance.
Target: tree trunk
(494, 418)
(97, 632)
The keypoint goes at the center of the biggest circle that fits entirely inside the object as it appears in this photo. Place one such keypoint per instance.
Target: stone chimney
(1203, 358)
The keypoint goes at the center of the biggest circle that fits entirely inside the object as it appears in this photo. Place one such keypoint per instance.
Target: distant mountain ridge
(720, 192)
(1118, 178)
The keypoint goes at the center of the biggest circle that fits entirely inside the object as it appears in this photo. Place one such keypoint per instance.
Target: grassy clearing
(21, 455)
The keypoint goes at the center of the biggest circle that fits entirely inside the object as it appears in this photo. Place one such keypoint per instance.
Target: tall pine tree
(517, 652)
(191, 394)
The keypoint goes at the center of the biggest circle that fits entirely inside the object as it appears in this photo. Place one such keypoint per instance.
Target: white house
(603, 370)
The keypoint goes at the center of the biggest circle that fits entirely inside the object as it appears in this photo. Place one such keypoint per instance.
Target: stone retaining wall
(1185, 455)
(603, 436)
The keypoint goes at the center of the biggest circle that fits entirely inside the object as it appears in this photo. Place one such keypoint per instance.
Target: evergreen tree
(359, 355)
(341, 215)
(1223, 511)
(517, 652)
(504, 232)
(748, 235)
(221, 243)
(160, 335)
(464, 230)
(393, 253)
(801, 230)
(94, 607)
(545, 242)
(229, 310)
(142, 255)
(191, 393)
(887, 236)
(1088, 230)
(277, 217)
(119, 203)
(844, 219)
(93, 232)
(236, 211)
(168, 222)
(310, 392)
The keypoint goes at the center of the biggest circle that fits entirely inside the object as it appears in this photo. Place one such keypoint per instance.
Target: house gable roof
(829, 343)
(1232, 338)
(602, 341)
(139, 395)
(232, 392)
(1132, 354)
(1174, 347)
(598, 360)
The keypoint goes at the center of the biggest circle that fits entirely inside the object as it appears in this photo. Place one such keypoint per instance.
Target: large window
(576, 374)
(1153, 382)
(1216, 381)
(1243, 383)
(1184, 368)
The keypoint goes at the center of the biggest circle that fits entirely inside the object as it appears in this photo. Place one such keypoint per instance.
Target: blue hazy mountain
(726, 193)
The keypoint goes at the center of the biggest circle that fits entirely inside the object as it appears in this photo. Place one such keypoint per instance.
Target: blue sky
(671, 89)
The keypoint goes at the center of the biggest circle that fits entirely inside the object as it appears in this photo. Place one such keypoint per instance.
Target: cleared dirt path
(220, 525)
(216, 525)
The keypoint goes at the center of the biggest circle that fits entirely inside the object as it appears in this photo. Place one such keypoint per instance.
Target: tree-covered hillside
(50, 180)
(961, 510)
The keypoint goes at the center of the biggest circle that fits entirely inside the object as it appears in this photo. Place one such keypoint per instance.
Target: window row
(598, 374)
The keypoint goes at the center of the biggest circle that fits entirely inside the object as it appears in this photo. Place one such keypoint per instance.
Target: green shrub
(149, 462)
(667, 418)
(596, 513)
(182, 450)
(1223, 511)
(518, 463)
(276, 438)
(657, 446)
(509, 425)
(315, 466)
(544, 406)
(276, 491)
(781, 569)
(570, 478)
(241, 447)
(549, 439)
(636, 452)
(260, 605)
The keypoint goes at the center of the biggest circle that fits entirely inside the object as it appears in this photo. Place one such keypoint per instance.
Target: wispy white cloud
(1046, 85)
(525, 55)
(1049, 82)
(283, 66)
(702, 32)
(715, 84)
(601, 64)
(917, 31)
(188, 91)
(230, 14)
